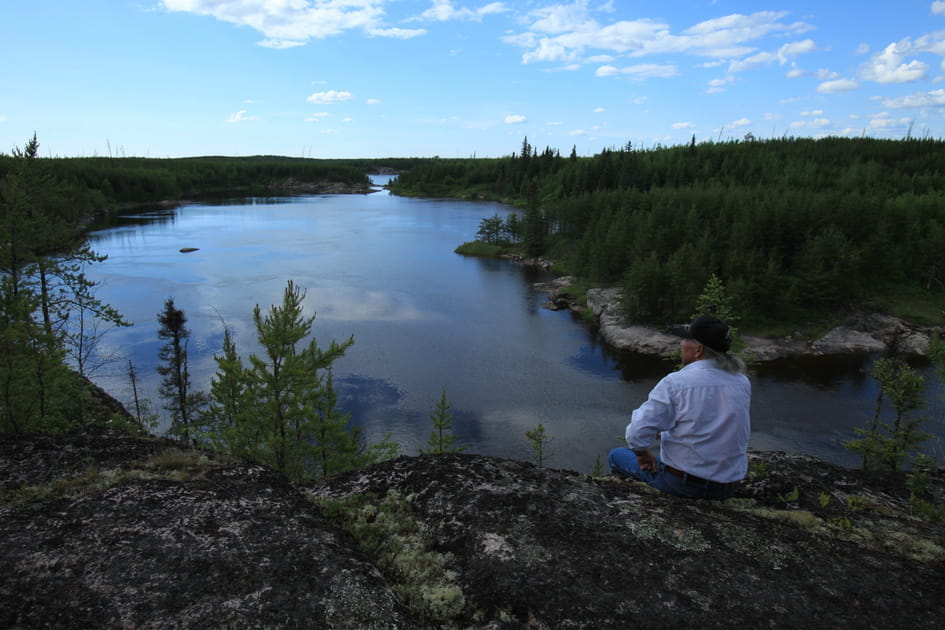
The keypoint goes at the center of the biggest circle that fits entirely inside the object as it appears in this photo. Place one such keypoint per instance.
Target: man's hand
(646, 461)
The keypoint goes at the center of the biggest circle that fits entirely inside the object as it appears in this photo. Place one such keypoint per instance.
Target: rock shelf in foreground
(113, 531)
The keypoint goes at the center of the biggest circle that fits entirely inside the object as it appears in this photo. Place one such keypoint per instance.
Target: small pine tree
(441, 439)
(885, 445)
(182, 404)
(228, 389)
(337, 444)
(714, 300)
(146, 420)
(541, 444)
(287, 383)
(281, 409)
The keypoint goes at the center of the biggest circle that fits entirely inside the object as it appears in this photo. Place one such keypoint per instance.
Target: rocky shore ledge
(297, 187)
(109, 530)
(862, 333)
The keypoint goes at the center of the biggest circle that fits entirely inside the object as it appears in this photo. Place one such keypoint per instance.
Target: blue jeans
(624, 462)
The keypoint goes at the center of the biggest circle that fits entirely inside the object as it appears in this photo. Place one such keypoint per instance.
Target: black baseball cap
(709, 331)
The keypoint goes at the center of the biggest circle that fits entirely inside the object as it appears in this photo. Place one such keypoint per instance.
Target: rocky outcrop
(295, 186)
(112, 531)
(862, 333)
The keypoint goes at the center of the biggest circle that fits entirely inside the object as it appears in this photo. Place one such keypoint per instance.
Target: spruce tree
(42, 286)
(280, 408)
(227, 401)
(885, 445)
(175, 384)
(337, 444)
(442, 439)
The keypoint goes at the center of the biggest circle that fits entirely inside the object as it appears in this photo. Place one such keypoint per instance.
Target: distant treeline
(100, 182)
(794, 227)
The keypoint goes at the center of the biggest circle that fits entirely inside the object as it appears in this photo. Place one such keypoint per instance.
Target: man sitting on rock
(699, 415)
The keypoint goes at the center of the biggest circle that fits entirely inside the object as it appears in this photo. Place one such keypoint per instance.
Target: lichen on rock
(113, 531)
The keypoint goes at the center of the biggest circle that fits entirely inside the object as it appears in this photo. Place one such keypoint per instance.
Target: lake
(424, 319)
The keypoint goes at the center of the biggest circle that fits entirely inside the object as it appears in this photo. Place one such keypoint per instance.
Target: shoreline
(861, 333)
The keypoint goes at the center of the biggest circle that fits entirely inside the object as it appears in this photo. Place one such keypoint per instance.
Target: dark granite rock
(561, 550)
(113, 531)
(126, 533)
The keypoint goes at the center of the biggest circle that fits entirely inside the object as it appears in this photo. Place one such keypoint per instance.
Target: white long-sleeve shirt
(702, 415)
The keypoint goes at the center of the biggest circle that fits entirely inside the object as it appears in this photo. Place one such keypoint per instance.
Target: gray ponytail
(726, 361)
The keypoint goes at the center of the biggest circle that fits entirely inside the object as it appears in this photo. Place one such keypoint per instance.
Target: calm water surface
(382, 268)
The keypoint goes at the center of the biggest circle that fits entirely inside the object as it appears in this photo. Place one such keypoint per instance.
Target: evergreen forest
(796, 229)
(100, 183)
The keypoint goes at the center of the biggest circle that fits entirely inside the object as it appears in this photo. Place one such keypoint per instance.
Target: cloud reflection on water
(357, 305)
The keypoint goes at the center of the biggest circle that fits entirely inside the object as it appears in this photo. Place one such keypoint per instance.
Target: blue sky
(458, 78)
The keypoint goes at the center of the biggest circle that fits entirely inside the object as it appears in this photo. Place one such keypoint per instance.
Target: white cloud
(838, 85)
(599, 110)
(279, 44)
(577, 132)
(564, 32)
(288, 23)
(549, 50)
(889, 66)
(813, 112)
(884, 122)
(316, 117)
(443, 10)
(683, 125)
(938, 8)
(373, 101)
(561, 18)
(330, 97)
(725, 36)
(514, 119)
(784, 54)
(240, 116)
(817, 123)
(936, 98)
(639, 71)
(718, 85)
(749, 63)
(397, 33)
(347, 120)
(741, 122)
